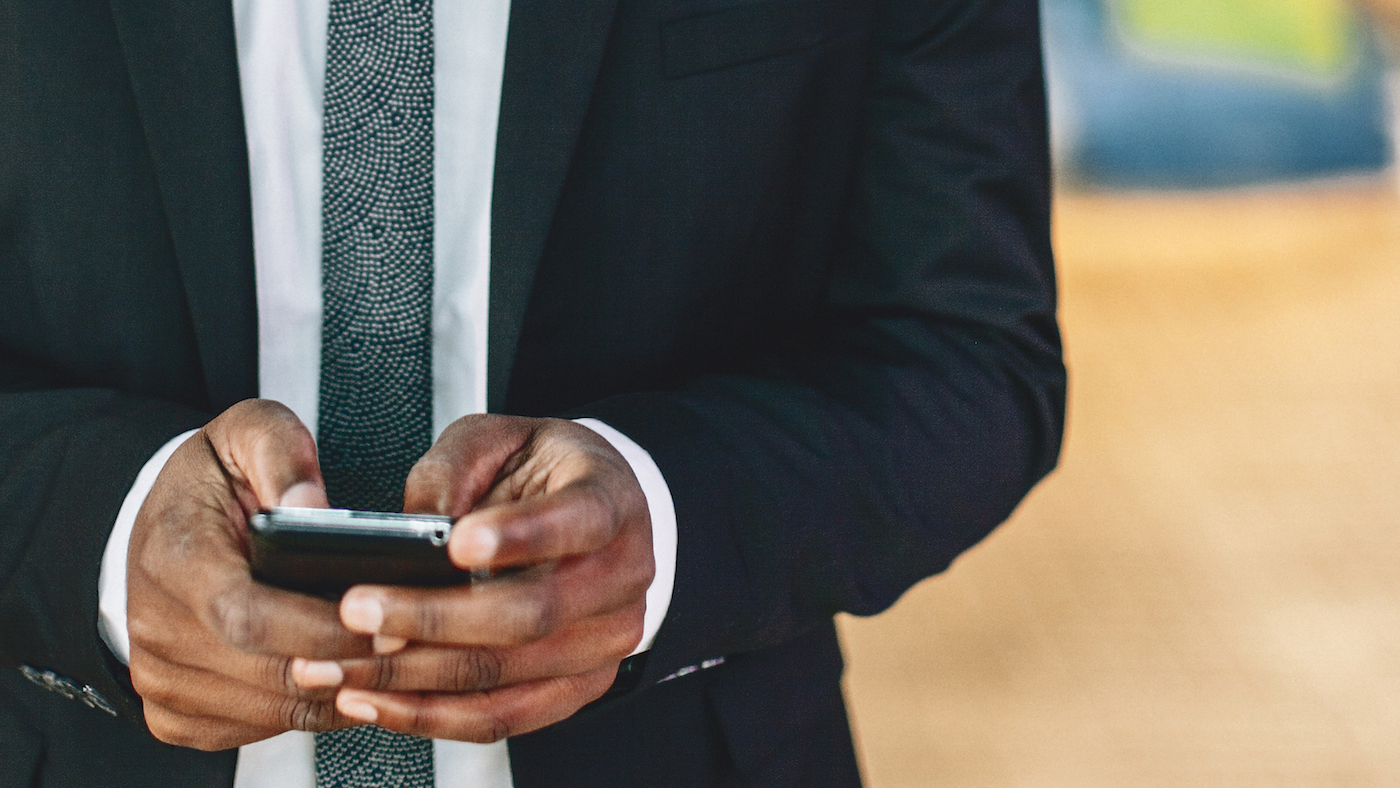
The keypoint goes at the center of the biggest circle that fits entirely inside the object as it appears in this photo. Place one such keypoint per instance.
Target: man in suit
(797, 252)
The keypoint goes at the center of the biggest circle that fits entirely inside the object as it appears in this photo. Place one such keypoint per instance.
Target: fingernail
(316, 674)
(480, 545)
(303, 494)
(361, 613)
(356, 705)
(388, 644)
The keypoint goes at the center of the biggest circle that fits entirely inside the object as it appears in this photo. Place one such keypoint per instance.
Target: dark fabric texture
(798, 251)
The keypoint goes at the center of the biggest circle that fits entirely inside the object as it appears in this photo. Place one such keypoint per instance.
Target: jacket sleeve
(929, 397)
(69, 456)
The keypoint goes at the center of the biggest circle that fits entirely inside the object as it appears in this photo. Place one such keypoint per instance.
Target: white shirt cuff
(663, 525)
(111, 579)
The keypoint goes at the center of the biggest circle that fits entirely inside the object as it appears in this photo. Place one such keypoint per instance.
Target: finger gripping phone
(325, 551)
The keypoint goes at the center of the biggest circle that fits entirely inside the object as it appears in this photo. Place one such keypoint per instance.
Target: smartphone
(325, 551)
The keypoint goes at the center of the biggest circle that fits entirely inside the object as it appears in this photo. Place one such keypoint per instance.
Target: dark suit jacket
(797, 249)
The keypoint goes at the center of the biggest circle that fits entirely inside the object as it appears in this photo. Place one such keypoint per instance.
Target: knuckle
(173, 730)
(151, 561)
(540, 541)
(156, 686)
(268, 428)
(493, 728)
(143, 631)
(262, 441)
(261, 410)
(471, 670)
(546, 617)
(163, 727)
(500, 729)
(417, 722)
(383, 673)
(145, 681)
(533, 619)
(235, 621)
(300, 446)
(432, 470)
(465, 424)
(596, 685)
(199, 741)
(277, 672)
(626, 637)
(430, 483)
(240, 417)
(303, 715)
(606, 513)
(640, 583)
(432, 621)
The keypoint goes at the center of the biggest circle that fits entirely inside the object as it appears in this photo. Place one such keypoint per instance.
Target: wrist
(663, 525)
(111, 580)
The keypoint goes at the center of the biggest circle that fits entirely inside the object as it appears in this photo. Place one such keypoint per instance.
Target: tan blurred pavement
(1207, 592)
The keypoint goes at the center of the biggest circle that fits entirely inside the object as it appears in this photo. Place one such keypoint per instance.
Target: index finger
(257, 618)
(262, 619)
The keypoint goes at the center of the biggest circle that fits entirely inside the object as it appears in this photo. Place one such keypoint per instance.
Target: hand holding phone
(546, 494)
(210, 647)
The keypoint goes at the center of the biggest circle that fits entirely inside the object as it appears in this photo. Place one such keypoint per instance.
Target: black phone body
(325, 551)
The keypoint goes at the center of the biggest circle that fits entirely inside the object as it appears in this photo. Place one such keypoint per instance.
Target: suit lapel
(553, 49)
(182, 58)
(184, 71)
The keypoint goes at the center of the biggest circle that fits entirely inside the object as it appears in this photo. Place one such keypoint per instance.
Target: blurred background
(1207, 591)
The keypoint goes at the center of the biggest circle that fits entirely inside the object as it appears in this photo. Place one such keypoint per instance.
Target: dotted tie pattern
(377, 250)
(375, 415)
(370, 756)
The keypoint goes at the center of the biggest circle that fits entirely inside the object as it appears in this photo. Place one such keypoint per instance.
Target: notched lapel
(182, 58)
(183, 62)
(553, 50)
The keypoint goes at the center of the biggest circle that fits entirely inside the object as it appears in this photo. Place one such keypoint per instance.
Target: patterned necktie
(377, 285)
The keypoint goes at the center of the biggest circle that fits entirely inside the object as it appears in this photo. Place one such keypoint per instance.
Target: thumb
(465, 463)
(309, 494)
(263, 445)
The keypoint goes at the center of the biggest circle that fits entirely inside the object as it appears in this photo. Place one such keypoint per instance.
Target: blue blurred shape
(1130, 112)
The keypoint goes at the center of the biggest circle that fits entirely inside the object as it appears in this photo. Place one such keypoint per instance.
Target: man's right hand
(211, 649)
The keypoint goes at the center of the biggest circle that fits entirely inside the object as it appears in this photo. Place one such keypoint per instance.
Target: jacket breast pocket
(743, 34)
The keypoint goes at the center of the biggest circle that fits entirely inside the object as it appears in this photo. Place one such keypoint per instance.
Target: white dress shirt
(281, 61)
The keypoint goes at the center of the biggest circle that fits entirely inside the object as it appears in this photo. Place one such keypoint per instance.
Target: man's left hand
(519, 651)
